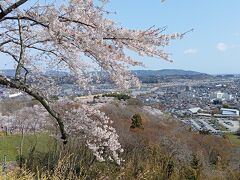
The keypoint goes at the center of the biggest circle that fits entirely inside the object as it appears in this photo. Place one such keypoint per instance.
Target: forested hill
(167, 72)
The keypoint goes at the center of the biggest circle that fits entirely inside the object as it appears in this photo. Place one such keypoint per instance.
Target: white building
(229, 112)
(194, 110)
(221, 96)
(15, 95)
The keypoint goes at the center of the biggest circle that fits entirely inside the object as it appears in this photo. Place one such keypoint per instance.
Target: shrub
(54, 97)
(136, 121)
(135, 102)
(119, 96)
(238, 132)
(196, 165)
(204, 132)
(96, 97)
(21, 159)
(225, 106)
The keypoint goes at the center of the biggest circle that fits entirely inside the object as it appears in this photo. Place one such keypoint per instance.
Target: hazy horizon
(153, 70)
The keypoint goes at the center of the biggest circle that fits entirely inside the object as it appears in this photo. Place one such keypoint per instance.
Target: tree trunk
(30, 91)
(21, 150)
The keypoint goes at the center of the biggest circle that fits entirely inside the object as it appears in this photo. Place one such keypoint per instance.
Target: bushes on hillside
(96, 97)
(204, 132)
(238, 132)
(147, 162)
(136, 121)
(119, 96)
(161, 151)
(135, 102)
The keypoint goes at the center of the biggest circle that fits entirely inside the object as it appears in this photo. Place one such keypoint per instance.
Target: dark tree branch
(5, 42)
(21, 55)
(61, 19)
(65, 19)
(11, 8)
(1, 8)
(25, 18)
(25, 88)
(16, 59)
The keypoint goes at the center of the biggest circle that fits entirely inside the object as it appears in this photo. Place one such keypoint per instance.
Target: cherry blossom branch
(1, 8)
(25, 88)
(5, 42)
(65, 19)
(15, 58)
(24, 18)
(41, 36)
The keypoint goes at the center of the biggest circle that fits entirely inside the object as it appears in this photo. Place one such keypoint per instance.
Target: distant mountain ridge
(167, 72)
(7, 72)
(138, 73)
(52, 73)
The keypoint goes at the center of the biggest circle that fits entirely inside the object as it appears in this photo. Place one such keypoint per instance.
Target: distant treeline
(119, 96)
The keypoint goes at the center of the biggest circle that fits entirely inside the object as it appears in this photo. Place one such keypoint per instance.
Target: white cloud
(222, 46)
(190, 51)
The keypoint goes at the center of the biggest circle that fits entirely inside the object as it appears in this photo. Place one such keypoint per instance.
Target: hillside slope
(216, 154)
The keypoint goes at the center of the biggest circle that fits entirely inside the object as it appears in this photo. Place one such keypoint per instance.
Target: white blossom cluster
(27, 119)
(92, 126)
(83, 122)
(75, 35)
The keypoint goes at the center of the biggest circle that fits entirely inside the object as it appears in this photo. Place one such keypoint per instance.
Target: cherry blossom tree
(76, 36)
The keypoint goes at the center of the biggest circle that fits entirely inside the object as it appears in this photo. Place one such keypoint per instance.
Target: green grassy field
(234, 139)
(10, 145)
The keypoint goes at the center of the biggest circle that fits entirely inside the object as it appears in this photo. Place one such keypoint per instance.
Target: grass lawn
(10, 145)
(234, 139)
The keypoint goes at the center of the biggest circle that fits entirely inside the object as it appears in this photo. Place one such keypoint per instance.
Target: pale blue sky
(213, 47)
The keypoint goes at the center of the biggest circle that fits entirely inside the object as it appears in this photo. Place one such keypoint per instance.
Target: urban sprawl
(208, 104)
